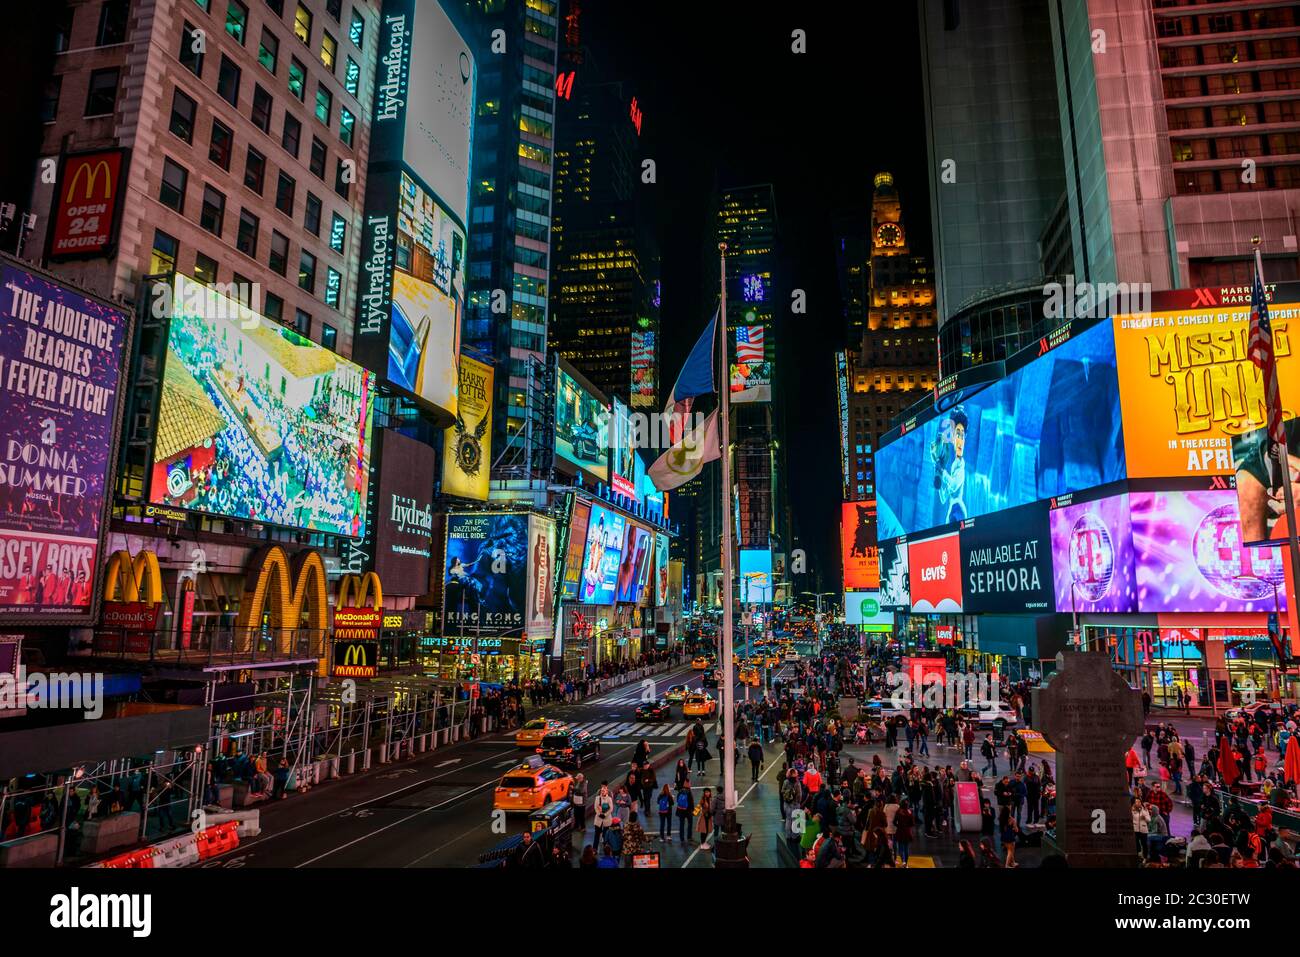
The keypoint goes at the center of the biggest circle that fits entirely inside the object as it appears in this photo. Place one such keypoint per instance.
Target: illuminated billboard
(935, 573)
(863, 608)
(403, 514)
(751, 372)
(895, 593)
(1092, 556)
(540, 621)
(1190, 557)
(485, 583)
(661, 570)
(1261, 499)
(755, 575)
(1188, 385)
(577, 548)
(256, 422)
(622, 457)
(645, 388)
(858, 546)
(467, 445)
(1051, 427)
(600, 565)
(60, 396)
(1006, 561)
(412, 290)
(638, 545)
(581, 427)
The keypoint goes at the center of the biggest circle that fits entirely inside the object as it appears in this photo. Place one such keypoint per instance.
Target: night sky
(727, 103)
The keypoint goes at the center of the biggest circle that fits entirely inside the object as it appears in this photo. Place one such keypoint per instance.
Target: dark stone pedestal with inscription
(731, 850)
(1091, 717)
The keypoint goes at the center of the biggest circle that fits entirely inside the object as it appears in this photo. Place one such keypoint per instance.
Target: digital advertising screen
(1092, 556)
(581, 427)
(645, 388)
(622, 456)
(602, 558)
(404, 514)
(895, 592)
(484, 589)
(256, 422)
(577, 548)
(661, 569)
(467, 445)
(540, 622)
(934, 572)
(858, 546)
(1261, 497)
(756, 575)
(60, 389)
(1006, 561)
(751, 373)
(863, 608)
(1188, 386)
(1049, 428)
(637, 548)
(1190, 557)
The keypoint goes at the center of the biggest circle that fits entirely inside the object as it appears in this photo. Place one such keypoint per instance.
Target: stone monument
(1090, 715)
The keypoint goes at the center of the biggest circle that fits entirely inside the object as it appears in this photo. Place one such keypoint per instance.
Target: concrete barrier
(35, 850)
(101, 835)
(244, 796)
(226, 795)
(249, 823)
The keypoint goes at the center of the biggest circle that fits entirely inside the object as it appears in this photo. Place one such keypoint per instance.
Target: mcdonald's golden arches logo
(354, 590)
(137, 579)
(83, 217)
(91, 173)
(298, 598)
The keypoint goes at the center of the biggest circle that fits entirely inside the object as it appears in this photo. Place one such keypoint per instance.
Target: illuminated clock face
(888, 234)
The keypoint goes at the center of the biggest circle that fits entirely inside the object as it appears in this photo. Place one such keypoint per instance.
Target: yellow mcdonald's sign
(354, 590)
(355, 654)
(298, 593)
(128, 579)
(92, 177)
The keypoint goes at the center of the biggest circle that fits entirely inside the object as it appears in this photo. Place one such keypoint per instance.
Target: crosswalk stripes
(630, 729)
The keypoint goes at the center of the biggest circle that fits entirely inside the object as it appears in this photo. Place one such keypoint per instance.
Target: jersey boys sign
(1006, 561)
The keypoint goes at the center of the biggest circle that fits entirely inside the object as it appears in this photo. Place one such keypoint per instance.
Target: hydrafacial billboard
(412, 287)
(60, 391)
(257, 422)
(1052, 426)
(599, 582)
(581, 427)
(485, 587)
(403, 514)
(1092, 555)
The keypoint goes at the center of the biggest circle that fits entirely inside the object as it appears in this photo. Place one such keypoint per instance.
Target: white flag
(683, 461)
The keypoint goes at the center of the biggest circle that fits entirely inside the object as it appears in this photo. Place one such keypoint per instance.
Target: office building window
(222, 144)
(191, 52)
(261, 114)
(307, 272)
(352, 78)
(279, 261)
(237, 20)
(297, 79)
(302, 24)
(50, 99)
(112, 22)
(243, 291)
(311, 218)
(182, 121)
(357, 28)
(228, 81)
(334, 8)
(277, 7)
(329, 336)
(284, 191)
(324, 104)
(255, 171)
(273, 307)
(302, 323)
(317, 162)
(172, 192)
(205, 269)
(63, 29)
(329, 50)
(338, 233)
(343, 177)
(292, 135)
(166, 250)
(347, 125)
(101, 98)
(213, 213)
(333, 287)
(246, 242)
(268, 51)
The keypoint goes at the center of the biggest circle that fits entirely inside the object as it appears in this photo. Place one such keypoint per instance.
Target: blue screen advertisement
(601, 561)
(1049, 428)
(484, 588)
(755, 575)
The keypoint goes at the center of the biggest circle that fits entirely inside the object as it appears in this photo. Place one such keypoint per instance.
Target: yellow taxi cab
(531, 734)
(699, 705)
(749, 676)
(772, 660)
(531, 785)
(700, 662)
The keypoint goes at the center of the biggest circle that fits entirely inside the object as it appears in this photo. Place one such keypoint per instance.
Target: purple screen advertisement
(60, 356)
(1092, 557)
(1190, 556)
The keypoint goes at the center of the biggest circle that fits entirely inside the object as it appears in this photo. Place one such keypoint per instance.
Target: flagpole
(1284, 471)
(730, 854)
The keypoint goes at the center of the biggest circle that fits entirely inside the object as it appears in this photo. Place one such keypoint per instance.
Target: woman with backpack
(666, 815)
(685, 802)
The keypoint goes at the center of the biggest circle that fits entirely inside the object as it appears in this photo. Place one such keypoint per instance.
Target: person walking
(665, 802)
(685, 802)
(704, 818)
(755, 760)
(904, 822)
(603, 806)
(578, 791)
(649, 785)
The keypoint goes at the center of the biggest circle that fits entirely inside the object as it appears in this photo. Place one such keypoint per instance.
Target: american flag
(1260, 350)
(749, 344)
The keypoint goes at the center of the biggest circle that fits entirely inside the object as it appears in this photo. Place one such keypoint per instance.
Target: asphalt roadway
(435, 809)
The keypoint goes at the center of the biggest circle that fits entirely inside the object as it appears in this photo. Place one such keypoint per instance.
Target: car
(699, 662)
(749, 676)
(791, 657)
(569, 746)
(1251, 710)
(710, 679)
(675, 693)
(531, 734)
(700, 705)
(987, 713)
(531, 785)
(772, 661)
(660, 710)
